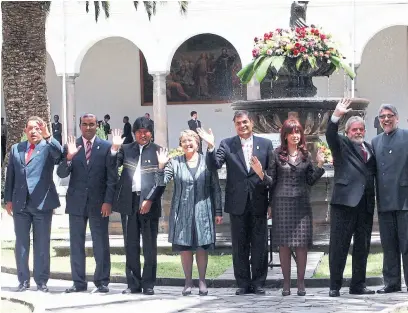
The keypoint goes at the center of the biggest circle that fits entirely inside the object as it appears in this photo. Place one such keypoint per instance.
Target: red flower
(316, 32)
(256, 39)
(297, 45)
(255, 53)
(295, 52)
(302, 49)
(270, 34)
(322, 36)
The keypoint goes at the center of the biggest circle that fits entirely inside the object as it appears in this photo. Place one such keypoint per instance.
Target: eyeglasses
(389, 116)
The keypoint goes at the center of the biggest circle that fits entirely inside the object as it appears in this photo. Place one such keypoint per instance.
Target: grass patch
(374, 266)
(167, 265)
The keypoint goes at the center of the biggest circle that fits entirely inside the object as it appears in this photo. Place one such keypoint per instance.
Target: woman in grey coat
(195, 205)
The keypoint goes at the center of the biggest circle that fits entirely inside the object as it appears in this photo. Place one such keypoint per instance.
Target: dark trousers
(249, 240)
(133, 226)
(346, 222)
(41, 222)
(394, 241)
(100, 244)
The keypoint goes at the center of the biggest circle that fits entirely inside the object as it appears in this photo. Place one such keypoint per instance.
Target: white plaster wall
(383, 74)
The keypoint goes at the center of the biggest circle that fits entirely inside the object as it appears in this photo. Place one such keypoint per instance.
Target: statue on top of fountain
(298, 14)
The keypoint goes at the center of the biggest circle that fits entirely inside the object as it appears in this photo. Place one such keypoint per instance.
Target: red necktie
(88, 151)
(30, 152)
(365, 155)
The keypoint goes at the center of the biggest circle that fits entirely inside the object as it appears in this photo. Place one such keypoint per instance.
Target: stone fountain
(290, 93)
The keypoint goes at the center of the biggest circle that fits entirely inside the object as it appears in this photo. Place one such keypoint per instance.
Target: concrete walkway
(170, 300)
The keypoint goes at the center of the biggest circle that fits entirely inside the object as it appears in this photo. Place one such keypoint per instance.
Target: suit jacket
(352, 177)
(57, 131)
(291, 179)
(128, 157)
(90, 185)
(194, 124)
(196, 200)
(391, 152)
(32, 184)
(240, 182)
(127, 133)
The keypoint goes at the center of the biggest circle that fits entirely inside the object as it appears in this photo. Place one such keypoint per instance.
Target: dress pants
(394, 241)
(139, 224)
(41, 222)
(249, 245)
(346, 222)
(100, 244)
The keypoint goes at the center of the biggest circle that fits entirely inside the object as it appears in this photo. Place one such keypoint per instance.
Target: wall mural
(203, 70)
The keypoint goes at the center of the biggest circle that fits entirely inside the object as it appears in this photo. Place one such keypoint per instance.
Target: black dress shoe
(389, 289)
(242, 291)
(75, 289)
(361, 291)
(102, 289)
(131, 290)
(42, 287)
(148, 291)
(334, 293)
(203, 293)
(23, 287)
(285, 293)
(301, 293)
(258, 290)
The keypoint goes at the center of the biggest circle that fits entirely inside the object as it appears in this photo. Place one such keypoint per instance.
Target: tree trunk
(24, 58)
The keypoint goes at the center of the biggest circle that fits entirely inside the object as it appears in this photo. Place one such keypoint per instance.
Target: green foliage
(23, 137)
(100, 132)
(175, 152)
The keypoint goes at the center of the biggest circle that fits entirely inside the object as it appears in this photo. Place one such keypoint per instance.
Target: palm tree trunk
(24, 58)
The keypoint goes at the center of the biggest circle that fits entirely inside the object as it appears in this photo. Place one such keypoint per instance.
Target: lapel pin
(257, 147)
(390, 151)
(97, 148)
(148, 161)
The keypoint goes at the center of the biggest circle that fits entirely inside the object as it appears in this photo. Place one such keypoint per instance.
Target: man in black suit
(352, 202)
(193, 124)
(138, 200)
(391, 151)
(30, 196)
(106, 125)
(246, 199)
(57, 129)
(88, 162)
(127, 131)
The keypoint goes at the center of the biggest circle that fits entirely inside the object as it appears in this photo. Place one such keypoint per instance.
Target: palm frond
(136, 3)
(148, 8)
(46, 5)
(105, 7)
(97, 10)
(154, 3)
(87, 6)
(183, 7)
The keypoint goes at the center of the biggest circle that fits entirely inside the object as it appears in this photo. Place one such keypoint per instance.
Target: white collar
(248, 140)
(86, 140)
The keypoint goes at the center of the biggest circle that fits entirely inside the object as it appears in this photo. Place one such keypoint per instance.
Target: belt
(137, 193)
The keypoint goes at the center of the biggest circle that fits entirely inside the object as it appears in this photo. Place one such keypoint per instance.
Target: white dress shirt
(137, 176)
(247, 147)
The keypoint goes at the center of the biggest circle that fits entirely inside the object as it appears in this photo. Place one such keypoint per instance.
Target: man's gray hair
(386, 106)
(352, 120)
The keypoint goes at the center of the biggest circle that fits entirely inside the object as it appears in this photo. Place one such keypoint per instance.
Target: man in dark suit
(352, 202)
(138, 199)
(88, 162)
(106, 125)
(30, 196)
(246, 199)
(127, 131)
(193, 124)
(57, 129)
(391, 152)
(147, 115)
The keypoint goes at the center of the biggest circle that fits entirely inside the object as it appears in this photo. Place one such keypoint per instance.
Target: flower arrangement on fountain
(324, 148)
(308, 48)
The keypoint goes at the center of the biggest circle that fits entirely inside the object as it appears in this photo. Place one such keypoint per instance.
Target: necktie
(364, 153)
(88, 151)
(30, 152)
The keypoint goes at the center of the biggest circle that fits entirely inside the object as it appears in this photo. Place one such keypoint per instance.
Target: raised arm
(332, 136)
(214, 159)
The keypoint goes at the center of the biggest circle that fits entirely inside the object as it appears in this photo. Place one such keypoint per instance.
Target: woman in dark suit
(196, 199)
(290, 175)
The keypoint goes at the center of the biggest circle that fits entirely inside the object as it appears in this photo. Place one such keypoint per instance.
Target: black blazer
(127, 133)
(193, 125)
(57, 131)
(90, 185)
(240, 183)
(128, 156)
(352, 177)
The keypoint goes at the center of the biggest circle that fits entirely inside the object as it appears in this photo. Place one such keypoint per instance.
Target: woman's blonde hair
(189, 133)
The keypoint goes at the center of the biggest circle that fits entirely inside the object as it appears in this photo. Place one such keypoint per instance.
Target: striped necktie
(88, 151)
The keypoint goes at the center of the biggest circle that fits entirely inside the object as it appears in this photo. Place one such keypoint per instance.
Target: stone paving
(170, 300)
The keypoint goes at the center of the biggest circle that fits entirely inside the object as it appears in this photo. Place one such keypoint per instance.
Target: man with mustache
(30, 196)
(391, 152)
(246, 200)
(352, 202)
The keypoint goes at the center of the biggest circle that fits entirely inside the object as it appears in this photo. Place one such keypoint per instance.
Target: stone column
(71, 106)
(160, 109)
(253, 90)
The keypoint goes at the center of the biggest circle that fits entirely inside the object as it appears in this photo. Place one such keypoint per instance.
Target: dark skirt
(179, 248)
(292, 222)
